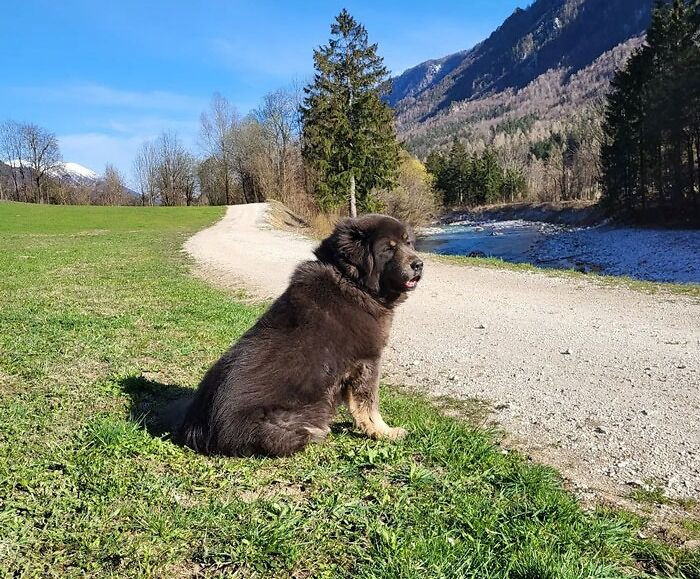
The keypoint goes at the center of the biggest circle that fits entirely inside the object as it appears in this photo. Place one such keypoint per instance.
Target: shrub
(413, 199)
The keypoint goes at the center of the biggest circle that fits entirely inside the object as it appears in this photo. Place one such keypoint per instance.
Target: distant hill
(77, 173)
(66, 171)
(67, 174)
(543, 62)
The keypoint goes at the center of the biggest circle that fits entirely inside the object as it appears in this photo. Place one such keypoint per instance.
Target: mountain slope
(64, 171)
(69, 182)
(77, 173)
(564, 35)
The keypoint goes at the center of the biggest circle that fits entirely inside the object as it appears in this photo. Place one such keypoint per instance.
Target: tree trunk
(697, 159)
(691, 172)
(244, 188)
(353, 201)
(16, 183)
(642, 177)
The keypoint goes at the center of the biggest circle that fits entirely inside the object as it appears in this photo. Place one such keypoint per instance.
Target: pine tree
(456, 178)
(349, 139)
(465, 180)
(652, 124)
(491, 178)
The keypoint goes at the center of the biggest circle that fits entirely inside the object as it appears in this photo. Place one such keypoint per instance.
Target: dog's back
(271, 393)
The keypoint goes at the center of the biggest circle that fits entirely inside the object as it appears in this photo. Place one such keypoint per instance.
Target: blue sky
(104, 76)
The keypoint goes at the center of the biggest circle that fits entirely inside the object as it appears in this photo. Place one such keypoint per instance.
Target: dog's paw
(317, 434)
(394, 434)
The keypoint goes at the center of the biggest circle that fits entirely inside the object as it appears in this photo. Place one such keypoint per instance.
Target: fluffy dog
(320, 343)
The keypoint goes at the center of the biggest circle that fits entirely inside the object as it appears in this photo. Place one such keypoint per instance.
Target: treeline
(32, 171)
(330, 148)
(651, 155)
(242, 159)
(476, 179)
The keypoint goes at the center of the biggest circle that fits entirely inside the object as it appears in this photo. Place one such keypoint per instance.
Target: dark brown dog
(321, 342)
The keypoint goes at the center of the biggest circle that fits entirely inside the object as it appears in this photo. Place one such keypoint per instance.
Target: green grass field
(99, 320)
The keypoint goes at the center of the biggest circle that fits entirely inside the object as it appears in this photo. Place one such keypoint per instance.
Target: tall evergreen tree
(652, 124)
(468, 180)
(349, 139)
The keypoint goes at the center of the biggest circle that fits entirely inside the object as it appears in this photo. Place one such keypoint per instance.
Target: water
(665, 255)
(513, 241)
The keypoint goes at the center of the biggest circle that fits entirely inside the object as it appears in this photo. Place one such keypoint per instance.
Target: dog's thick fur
(320, 343)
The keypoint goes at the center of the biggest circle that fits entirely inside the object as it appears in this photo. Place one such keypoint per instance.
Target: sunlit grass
(100, 320)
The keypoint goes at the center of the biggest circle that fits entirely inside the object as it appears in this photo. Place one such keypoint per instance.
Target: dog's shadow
(158, 407)
(152, 403)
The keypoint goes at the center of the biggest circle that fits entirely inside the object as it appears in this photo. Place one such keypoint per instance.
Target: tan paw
(317, 434)
(393, 434)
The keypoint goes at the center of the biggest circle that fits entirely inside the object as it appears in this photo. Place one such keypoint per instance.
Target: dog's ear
(349, 249)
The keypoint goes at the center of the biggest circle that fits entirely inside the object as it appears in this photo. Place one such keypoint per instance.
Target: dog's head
(376, 251)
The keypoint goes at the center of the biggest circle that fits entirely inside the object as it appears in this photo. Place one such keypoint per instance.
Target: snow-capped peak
(79, 171)
(74, 170)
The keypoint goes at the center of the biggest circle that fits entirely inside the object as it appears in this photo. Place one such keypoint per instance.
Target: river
(665, 255)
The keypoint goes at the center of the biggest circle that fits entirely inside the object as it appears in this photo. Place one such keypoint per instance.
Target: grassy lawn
(100, 320)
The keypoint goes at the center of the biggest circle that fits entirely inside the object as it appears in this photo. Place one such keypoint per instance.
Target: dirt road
(602, 382)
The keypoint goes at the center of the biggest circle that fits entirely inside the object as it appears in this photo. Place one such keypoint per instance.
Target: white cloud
(115, 122)
(95, 150)
(146, 125)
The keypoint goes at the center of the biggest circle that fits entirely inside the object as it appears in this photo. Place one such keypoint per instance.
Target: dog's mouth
(412, 283)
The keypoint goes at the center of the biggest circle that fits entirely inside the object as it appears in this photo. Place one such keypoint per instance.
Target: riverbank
(646, 254)
(658, 255)
(570, 213)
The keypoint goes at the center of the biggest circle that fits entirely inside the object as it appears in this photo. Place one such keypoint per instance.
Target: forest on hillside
(549, 133)
(623, 128)
(651, 152)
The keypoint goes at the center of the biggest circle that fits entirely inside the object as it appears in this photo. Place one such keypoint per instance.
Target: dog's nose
(417, 265)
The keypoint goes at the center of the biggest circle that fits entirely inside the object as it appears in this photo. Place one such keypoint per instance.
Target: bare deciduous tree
(145, 172)
(166, 172)
(13, 153)
(210, 182)
(175, 181)
(111, 190)
(278, 117)
(42, 155)
(218, 126)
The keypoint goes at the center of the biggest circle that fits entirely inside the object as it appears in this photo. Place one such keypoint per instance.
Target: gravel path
(601, 382)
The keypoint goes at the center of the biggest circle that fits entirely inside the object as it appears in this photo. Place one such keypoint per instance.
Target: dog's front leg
(361, 395)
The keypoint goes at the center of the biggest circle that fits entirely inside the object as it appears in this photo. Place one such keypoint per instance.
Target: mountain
(554, 53)
(73, 173)
(70, 182)
(77, 174)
